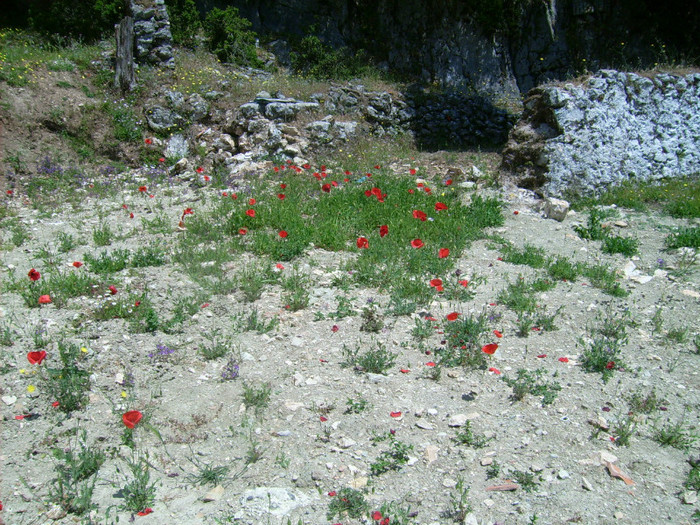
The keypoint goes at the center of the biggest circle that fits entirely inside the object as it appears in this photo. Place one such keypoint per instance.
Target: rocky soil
(288, 459)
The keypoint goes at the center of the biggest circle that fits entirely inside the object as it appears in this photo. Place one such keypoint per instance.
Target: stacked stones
(154, 42)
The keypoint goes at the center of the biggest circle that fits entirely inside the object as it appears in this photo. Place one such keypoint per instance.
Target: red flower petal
(44, 299)
(281, 196)
(463, 282)
(326, 188)
(435, 283)
(516, 212)
(251, 201)
(417, 243)
(34, 275)
(404, 370)
(376, 515)
(443, 252)
(489, 348)
(430, 364)
(395, 414)
(334, 328)
(439, 206)
(332, 493)
(412, 171)
(131, 418)
(283, 234)
(417, 214)
(279, 266)
(495, 371)
(200, 170)
(323, 419)
(383, 230)
(250, 213)
(453, 316)
(542, 356)
(131, 215)
(145, 512)
(113, 289)
(564, 359)
(242, 231)
(55, 404)
(498, 334)
(35, 358)
(448, 182)
(143, 189)
(362, 243)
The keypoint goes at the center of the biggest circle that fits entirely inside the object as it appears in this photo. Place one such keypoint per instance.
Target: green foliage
(678, 435)
(371, 319)
(356, 406)
(321, 61)
(594, 230)
(138, 493)
(185, 22)
(460, 506)
(376, 360)
(688, 237)
(68, 384)
(627, 246)
(347, 502)
(257, 398)
(530, 255)
(85, 20)
(217, 347)
(466, 436)
(531, 382)
(392, 459)
(230, 37)
(253, 322)
(526, 480)
(465, 337)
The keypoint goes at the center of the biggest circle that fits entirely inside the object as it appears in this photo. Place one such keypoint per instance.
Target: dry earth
(308, 445)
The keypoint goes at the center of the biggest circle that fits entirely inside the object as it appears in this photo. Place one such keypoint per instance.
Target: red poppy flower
(498, 334)
(250, 213)
(283, 185)
(417, 214)
(281, 196)
(142, 189)
(35, 358)
(385, 521)
(383, 230)
(234, 196)
(412, 171)
(430, 364)
(279, 266)
(453, 316)
(443, 252)
(44, 299)
(348, 172)
(9, 192)
(323, 419)
(131, 418)
(326, 188)
(362, 243)
(334, 328)
(463, 282)
(541, 356)
(276, 169)
(283, 234)
(427, 190)
(113, 289)
(131, 215)
(368, 193)
(332, 493)
(137, 303)
(448, 182)
(610, 365)
(376, 515)
(411, 191)
(187, 211)
(145, 512)
(323, 167)
(346, 179)
(495, 371)
(564, 359)
(439, 206)
(162, 159)
(251, 201)
(417, 243)
(55, 404)
(395, 414)
(200, 170)
(224, 194)
(34, 275)
(404, 370)
(489, 348)
(148, 141)
(436, 283)
(516, 212)
(207, 178)
(242, 231)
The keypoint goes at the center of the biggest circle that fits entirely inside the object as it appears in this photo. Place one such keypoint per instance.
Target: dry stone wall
(614, 127)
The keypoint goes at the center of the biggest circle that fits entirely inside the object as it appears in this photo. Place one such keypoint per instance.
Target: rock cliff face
(612, 128)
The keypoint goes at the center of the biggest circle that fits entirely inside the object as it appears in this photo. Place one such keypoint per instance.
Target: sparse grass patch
(217, 347)
(393, 459)
(257, 398)
(254, 322)
(532, 383)
(627, 246)
(376, 360)
(70, 383)
(678, 435)
(349, 503)
(563, 269)
(688, 237)
(464, 337)
(139, 492)
(466, 436)
(530, 256)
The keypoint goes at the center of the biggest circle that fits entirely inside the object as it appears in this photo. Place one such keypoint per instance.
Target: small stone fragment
(346, 443)
(431, 453)
(489, 502)
(9, 400)
(485, 462)
(690, 497)
(563, 474)
(457, 420)
(424, 425)
(214, 494)
(556, 209)
(359, 482)
(449, 483)
(536, 468)
(56, 512)
(586, 484)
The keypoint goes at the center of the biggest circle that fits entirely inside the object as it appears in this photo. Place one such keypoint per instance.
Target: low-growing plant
(347, 502)
(459, 503)
(464, 338)
(253, 322)
(371, 318)
(66, 242)
(252, 280)
(68, 384)
(376, 360)
(602, 355)
(207, 474)
(231, 370)
(423, 329)
(217, 347)
(678, 435)
(393, 459)
(518, 297)
(102, 235)
(532, 383)
(257, 398)
(645, 403)
(7, 334)
(688, 237)
(530, 256)
(356, 406)
(627, 246)
(106, 262)
(594, 229)
(692, 481)
(76, 470)
(466, 436)
(563, 269)
(394, 513)
(139, 493)
(604, 278)
(297, 291)
(526, 480)
(494, 470)
(623, 429)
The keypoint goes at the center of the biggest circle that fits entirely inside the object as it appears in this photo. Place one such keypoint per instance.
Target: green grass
(684, 237)
(393, 459)
(376, 360)
(349, 503)
(532, 383)
(464, 339)
(257, 398)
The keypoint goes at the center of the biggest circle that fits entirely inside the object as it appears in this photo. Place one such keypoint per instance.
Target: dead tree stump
(124, 78)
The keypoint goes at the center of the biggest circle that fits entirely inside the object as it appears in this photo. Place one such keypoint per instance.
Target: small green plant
(7, 334)
(349, 503)
(66, 242)
(102, 235)
(594, 229)
(393, 459)
(76, 470)
(677, 335)
(692, 481)
(688, 237)
(106, 263)
(460, 506)
(257, 398)
(531, 382)
(371, 319)
(230, 38)
(217, 347)
(252, 281)
(494, 470)
(423, 329)
(344, 308)
(657, 321)
(253, 322)
(530, 256)
(297, 294)
(139, 492)
(464, 337)
(526, 480)
(283, 460)
(627, 246)
(19, 234)
(376, 360)
(564, 270)
(604, 278)
(602, 355)
(623, 429)
(356, 406)
(641, 403)
(207, 474)
(466, 436)
(69, 384)
(395, 513)
(678, 435)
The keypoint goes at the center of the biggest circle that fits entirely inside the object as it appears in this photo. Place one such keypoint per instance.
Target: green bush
(84, 20)
(185, 22)
(315, 59)
(230, 37)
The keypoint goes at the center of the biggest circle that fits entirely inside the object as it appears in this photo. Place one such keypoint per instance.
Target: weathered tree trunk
(124, 70)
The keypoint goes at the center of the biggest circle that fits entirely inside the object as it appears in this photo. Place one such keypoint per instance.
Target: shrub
(317, 60)
(230, 37)
(184, 21)
(77, 19)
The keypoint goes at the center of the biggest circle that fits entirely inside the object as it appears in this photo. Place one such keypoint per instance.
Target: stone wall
(153, 40)
(613, 127)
